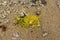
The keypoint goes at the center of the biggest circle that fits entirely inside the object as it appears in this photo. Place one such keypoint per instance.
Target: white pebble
(16, 34)
(45, 34)
(22, 14)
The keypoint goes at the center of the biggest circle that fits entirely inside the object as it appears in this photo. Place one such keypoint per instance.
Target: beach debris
(15, 34)
(22, 14)
(58, 4)
(45, 33)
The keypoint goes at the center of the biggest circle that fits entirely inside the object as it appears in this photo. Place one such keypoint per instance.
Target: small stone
(16, 34)
(22, 14)
(45, 33)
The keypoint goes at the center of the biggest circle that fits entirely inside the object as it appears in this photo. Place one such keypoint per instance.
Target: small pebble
(16, 34)
(22, 14)
(45, 33)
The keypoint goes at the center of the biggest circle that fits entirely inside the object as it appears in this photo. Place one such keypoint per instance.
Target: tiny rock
(16, 34)
(45, 33)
